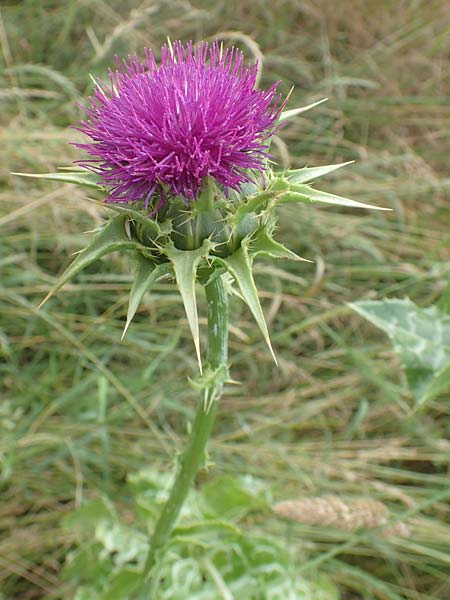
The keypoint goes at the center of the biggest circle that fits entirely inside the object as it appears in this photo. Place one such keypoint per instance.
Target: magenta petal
(195, 115)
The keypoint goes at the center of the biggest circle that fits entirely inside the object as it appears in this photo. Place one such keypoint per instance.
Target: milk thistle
(180, 151)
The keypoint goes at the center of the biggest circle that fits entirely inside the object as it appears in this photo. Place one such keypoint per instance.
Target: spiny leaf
(146, 227)
(305, 193)
(110, 237)
(84, 178)
(146, 275)
(262, 243)
(185, 263)
(240, 266)
(228, 282)
(251, 205)
(310, 173)
(288, 114)
(421, 338)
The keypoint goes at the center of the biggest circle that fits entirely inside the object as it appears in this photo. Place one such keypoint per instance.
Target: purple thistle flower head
(163, 129)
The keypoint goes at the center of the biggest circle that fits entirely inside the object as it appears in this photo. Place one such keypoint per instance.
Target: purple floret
(160, 130)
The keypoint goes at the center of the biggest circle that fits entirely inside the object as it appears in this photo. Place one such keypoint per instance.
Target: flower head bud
(181, 150)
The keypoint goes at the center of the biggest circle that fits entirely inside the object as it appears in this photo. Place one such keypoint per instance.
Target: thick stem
(194, 455)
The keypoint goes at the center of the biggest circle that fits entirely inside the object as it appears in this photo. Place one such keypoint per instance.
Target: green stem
(194, 455)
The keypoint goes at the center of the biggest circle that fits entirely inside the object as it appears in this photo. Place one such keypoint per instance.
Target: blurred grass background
(79, 409)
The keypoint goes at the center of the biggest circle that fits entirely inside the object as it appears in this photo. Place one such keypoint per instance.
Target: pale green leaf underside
(240, 266)
(185, 263)
(110, 237)
(421, 338)
(146, 275)
(305, 193)
(293, 112)
(84, 178)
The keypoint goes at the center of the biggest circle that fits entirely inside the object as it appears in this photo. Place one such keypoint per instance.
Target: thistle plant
(180, 150)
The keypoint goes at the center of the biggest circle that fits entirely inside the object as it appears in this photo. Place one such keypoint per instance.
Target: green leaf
(185, 264)
(146, 275)
(122, 543)
(230, 498)
(83, 178)
(259, 567)
(87, 593)
(110, 237)
(122, 585)
(421, 338)
(239, 265)
(205, 529)
(263, 244)
(444, 301)
(86, 563)
(305, 193)
(310, 173)
(288, 114)
(84, 519)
